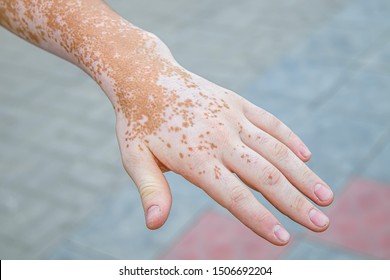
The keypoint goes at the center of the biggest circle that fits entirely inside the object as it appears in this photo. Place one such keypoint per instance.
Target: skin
(169, 119)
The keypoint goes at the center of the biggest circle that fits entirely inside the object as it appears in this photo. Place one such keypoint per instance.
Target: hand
(171, 119)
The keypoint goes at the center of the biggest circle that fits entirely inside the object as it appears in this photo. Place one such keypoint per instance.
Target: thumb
(153, 187)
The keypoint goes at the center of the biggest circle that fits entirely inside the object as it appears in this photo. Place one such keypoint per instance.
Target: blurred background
(322, 66)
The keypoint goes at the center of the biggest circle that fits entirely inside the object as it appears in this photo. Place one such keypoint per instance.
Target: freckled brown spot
(33, 37)
(190, 149)
(217, 172)
(201, 136)
(203, 95)
(183, 139)
(240, 128)
(249, 136)
(207, 132)
(244, 156)
(225, 104)
(181, 155)
(169, 145)
(185, 124)
(127, 145)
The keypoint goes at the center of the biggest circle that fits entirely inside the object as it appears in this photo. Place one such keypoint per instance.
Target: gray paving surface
(322, 66)
(307, 249)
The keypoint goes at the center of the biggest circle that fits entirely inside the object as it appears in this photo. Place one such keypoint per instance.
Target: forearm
(87, 33)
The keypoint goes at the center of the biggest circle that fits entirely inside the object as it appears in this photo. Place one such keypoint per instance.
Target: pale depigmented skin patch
(153, 95)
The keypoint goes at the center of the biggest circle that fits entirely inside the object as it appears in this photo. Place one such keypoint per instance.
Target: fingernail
(323, 193)
(153, 212)
(304, 151)
(318, 218)
(281, 233)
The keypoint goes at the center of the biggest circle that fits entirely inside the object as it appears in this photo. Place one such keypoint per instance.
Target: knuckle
(265, 217)
(262, 139)
(290, 135)
(238, 196)
(222, 134)
(306, 173)
(223, 139)
(270, 176)
(190, 169)
(300, 203)
(280, 152)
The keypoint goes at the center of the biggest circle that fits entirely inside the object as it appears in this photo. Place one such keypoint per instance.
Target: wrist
(127, 62)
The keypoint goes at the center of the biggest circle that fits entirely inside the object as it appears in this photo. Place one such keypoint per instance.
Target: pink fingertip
(304, 151)
(281, 233)
(318, 218)
(323, 193)
(154, 212)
